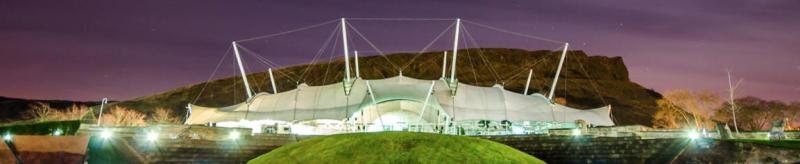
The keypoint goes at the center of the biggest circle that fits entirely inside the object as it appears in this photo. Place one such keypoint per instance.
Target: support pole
(528, 83)
(358, 73)
(272, 80)
(375, 103)
(427, 99)
(241, 70)
(455, 52)
(558, 73)
(102, 105)
(444, 65)
(188, 112)
(346, 51)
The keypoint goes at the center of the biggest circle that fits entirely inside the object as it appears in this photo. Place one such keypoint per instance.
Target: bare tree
(73, 112)
(670, 116)
(700, 104)
(793, 115)
(163, 116)
(40, 111)
(731, 93)
(122, 116)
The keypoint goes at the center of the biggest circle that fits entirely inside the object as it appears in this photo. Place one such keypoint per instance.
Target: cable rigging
(213, 73)
(287, 32)
(426, 47)
(515, 33)
(374, 47)
(481, 56)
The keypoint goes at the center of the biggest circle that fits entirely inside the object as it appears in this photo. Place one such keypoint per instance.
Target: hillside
(12, 109)
(395, 147)
(586, 81)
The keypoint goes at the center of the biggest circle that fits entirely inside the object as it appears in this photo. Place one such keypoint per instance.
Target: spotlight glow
(576, 132)
(234, 135)
(694, 135)
(105, 134)
(58, 132)
(7, 137)
(152, 136)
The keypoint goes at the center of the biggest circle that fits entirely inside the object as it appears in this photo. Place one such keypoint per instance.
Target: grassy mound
(395, 147)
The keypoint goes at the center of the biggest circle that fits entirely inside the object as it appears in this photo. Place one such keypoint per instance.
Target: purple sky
(92, 49)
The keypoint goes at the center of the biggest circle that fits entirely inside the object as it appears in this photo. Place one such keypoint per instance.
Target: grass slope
(395, 147)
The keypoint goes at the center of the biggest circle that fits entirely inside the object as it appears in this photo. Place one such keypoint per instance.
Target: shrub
(40, 111)
(121, 116)
(42, 128)
(164, 116)
(72, 113)
(43, 112)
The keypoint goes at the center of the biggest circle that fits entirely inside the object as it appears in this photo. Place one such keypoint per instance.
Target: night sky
(86, 50)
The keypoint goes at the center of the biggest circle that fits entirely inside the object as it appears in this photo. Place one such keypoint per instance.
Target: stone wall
(713, 151)
(180, 144)
(651, 133)
(625, 144)
(590, 149)
(585, 149)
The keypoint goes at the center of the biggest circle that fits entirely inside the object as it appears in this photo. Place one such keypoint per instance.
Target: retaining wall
(587, 149)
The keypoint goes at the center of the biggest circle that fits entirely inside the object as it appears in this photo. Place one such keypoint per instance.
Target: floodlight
(105, 134)
(576, 132)
(234, 135)
(694, 135)
(7, 137)
(152, 136)
(58, 132)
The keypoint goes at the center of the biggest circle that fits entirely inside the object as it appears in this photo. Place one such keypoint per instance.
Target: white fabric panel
(202, 115)
(532, 107)
(479, 103)
(400, 88)
(330, 102)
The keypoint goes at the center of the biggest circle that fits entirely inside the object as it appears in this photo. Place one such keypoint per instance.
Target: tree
(754, 113)
(41, 111)
(700, 104)
(121, 116)
(731, 94)
(670, 116)
(793, 115)
(163, 116)
(74, 112)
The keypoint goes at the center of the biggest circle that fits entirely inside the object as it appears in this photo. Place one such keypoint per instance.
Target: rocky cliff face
(586, 81)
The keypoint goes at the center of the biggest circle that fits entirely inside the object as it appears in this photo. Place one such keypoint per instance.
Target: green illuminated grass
(395, 147)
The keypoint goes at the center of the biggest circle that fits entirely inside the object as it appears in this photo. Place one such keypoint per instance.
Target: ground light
(693, 134)
(234, 135)
(7, 137)
(58, 132)
(152, 136)
(576, 132)
(105, 134)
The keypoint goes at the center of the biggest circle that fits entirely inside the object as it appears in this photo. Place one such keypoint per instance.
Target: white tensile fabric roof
(330, 102)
